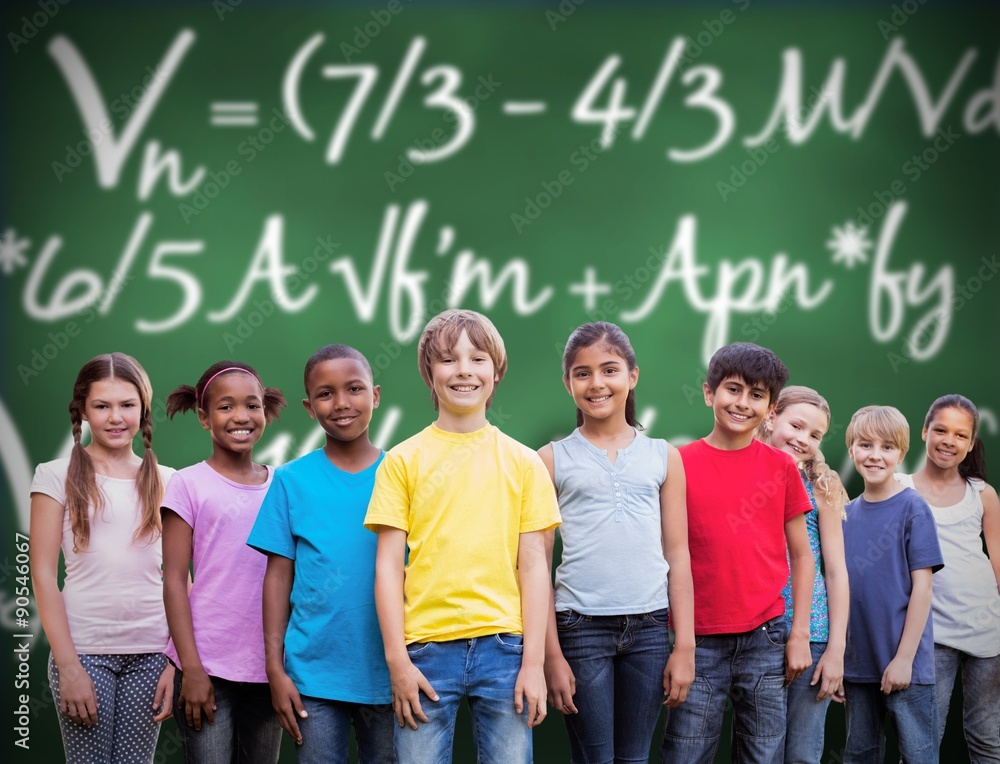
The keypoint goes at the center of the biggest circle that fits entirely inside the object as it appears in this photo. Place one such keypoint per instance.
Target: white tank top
(965, 600)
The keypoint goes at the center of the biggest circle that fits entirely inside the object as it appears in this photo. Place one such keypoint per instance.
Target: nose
(241, 414)
(341, 402)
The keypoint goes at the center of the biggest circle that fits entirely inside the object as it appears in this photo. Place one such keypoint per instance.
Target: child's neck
(238, 467)
(725, 441)
(117, 462)
(351, 455)
(607, 430)
(882, 492)
(934, 475)
(461, 422)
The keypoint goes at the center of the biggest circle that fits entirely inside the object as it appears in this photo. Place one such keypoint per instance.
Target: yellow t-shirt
(463, 499)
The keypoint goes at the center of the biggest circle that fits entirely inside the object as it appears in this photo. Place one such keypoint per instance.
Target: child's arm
(277, 591)
(679, 671)
(407, 680)
(829, 673)
(559, 677)
(77, 697)
(797, 655)
(897, 674)
(991, 528)
(197, 696)
(536, 599)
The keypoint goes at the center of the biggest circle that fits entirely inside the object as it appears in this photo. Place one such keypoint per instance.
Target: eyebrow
(125, 400)
(606, 363)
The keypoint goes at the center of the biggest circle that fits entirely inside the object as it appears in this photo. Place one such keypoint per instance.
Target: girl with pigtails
(221, 698)
(106, 628)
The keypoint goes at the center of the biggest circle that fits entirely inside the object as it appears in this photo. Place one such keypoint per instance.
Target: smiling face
(599, 381)
(463, 378)
(798, 430)
(113, 410)
(341, 398)
(233, 412)
(875, 460)
(949, 437)
(738, 407)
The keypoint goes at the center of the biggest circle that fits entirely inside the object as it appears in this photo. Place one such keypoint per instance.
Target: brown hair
(443, 331)
(974, 463)
(187, 398)
(609, 335)
(816, 470)
(82, 491)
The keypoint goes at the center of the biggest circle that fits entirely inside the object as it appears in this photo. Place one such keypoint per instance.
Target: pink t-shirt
(113, 592)
(228, 575)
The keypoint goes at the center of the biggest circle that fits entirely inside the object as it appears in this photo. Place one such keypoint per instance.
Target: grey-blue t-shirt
(884, 541)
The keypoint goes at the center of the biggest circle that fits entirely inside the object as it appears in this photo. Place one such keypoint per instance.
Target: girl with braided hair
(106, 628)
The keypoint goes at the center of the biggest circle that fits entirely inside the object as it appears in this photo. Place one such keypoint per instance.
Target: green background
(613, 212)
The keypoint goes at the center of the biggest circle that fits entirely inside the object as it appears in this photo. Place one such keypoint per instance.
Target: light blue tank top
(612, 558)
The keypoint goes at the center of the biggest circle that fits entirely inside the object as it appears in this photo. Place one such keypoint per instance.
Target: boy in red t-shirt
(745, 503)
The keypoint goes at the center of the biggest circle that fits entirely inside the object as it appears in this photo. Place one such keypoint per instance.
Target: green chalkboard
(200, 181)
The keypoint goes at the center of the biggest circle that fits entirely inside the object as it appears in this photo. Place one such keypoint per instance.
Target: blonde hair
(82, 491)
(443, 331)
(880, 423)
(825, 480)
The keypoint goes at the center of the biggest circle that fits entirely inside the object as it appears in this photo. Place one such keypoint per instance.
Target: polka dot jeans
(125, 732)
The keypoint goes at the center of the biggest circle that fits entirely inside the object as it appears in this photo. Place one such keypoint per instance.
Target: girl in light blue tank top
(797, 425)
(625, 560)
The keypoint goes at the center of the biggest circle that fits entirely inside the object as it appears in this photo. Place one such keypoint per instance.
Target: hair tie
(198, 401)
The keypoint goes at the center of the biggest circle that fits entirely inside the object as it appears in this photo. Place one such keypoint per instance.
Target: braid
(82, 491)
(148, 486)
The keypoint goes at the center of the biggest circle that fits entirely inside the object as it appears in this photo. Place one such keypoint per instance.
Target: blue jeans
(125, 732)
(806, 718)
(914, 711)
(618, 662)
(246, 729)
(484, 670)
(980, 700)
(749, 668)
(326, 732)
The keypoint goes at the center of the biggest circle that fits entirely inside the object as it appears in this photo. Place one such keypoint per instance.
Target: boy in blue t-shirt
(323, 648)
(891, 545)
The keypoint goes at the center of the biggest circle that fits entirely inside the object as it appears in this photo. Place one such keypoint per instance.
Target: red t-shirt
(738, 503)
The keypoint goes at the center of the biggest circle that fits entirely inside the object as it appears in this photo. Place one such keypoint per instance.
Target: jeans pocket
(415, 648)
(567, 620)
(776, 631)
(660, 617)
(513, 642)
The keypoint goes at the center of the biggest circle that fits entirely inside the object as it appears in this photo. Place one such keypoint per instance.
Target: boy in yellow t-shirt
(466, 615)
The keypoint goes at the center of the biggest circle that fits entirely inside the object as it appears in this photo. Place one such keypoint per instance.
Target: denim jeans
(618, 662)
(749, 668)
(125, 732)
(980, 700)
(914, 711)
(326, 732)
(483, 670)
(246, 729)
(806, 718)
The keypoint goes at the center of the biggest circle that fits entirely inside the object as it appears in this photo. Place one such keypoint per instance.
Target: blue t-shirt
(313, 514)
(883, 542)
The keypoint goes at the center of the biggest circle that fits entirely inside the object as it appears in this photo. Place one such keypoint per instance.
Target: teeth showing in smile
(600, 399)
(464, 388)
(344, 419)
(739, 417)
(239, 433)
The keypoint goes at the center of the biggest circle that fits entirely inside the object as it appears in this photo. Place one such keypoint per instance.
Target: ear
(708, 392)
(307, 405)
(566, 385)
(203, 418)
(769, 419)
(923, 435)
(376, 395)
(633, 378)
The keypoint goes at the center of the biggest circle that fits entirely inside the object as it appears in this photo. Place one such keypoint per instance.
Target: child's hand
(530, 686)
(164, 697)
(678, 675)
(407, 684)
(829, 674)
(561, 684)
(897, 675)
(287, 704)
(77, 696)
(197, 697)
(797, 657)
